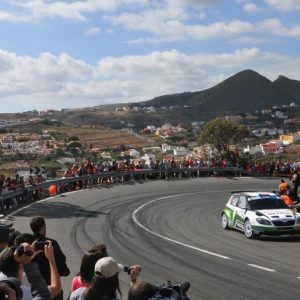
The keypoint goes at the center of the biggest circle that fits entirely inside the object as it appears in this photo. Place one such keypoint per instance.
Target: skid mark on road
(134, 217)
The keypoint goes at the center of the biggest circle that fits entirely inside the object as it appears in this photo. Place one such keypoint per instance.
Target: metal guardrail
(122, 175)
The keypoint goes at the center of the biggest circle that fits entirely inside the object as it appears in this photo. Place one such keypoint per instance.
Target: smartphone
(41, 245)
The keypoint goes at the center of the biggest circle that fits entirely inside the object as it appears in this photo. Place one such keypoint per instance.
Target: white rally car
(260, 214)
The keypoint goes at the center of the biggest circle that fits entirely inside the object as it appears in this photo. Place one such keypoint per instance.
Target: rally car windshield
(271, 203)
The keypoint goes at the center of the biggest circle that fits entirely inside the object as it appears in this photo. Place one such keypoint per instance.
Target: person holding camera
(16, 260)
(141, 291)
(105, 282)
(55, 285)
(147, 291)
(38, 226)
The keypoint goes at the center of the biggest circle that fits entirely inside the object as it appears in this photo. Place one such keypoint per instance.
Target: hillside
(290, 86)
(245, 91)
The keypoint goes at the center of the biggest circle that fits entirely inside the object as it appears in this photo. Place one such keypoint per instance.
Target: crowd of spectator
(167, 168)
(8, 184)
(36, 271)
(39, 271)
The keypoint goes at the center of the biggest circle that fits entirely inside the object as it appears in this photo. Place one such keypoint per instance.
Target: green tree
(59, 152)
(122, 147)
(220, 133)
(73, 138)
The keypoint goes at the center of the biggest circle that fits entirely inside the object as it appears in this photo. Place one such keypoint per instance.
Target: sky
(71, 54)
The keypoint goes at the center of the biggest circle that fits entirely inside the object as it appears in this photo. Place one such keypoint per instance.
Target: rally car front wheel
(248, 229)
(224, 221)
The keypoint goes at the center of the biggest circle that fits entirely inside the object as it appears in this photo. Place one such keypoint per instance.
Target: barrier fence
(145, 174)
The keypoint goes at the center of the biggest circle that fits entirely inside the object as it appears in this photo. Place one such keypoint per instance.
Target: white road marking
(168, 239)
(262, 268)
(148, 230)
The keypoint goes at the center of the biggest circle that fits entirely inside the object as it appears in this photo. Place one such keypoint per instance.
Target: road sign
(37, 170)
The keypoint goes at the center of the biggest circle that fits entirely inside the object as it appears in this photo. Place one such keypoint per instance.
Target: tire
(224, 221)
(248, 230)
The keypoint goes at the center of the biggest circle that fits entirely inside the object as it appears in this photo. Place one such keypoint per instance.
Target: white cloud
(92, 31)
(194, 2)
(37, 9)
(63, 81)
(251, 8)
(275, 27)
(253, 40)
(284, 5)
(169, 25)
(14, 18)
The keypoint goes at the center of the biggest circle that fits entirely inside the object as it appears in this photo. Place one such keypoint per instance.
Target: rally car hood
(279, 213)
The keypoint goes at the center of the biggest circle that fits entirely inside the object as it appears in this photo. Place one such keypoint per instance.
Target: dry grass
(102, 139)
(292, 152)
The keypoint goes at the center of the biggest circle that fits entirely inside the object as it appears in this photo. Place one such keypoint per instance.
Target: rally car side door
(239, 214)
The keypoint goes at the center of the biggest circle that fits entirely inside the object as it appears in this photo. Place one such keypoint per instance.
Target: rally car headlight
(263, 221)
(298, 220)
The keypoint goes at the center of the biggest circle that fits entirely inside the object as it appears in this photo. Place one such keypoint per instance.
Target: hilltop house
(271, 148)
(167, 127)
(290, 138)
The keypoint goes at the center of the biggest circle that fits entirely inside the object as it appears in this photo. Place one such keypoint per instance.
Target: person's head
(106, 280)
(89, 260)
(11, 237)
(24, 238)
(141, 291)
(38, 225)
(282, 181)
(8, 265)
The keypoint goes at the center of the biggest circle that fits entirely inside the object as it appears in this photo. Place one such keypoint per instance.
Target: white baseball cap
(107, 267)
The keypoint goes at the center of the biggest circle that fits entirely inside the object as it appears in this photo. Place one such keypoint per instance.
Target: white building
(151, 127)
(148, 157)
(134, 153)
(152, 109)
(151, 149)
(279, 143)
(253, 149)
(166, 147)
(167, 126)
(272, 131)
(279, 115)
(181, 151)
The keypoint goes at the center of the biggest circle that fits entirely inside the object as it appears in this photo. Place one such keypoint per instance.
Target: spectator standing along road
(296, 182)
(13, 265)
(38, 227)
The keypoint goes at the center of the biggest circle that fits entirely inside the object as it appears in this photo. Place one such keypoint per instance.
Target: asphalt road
(173, 230)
